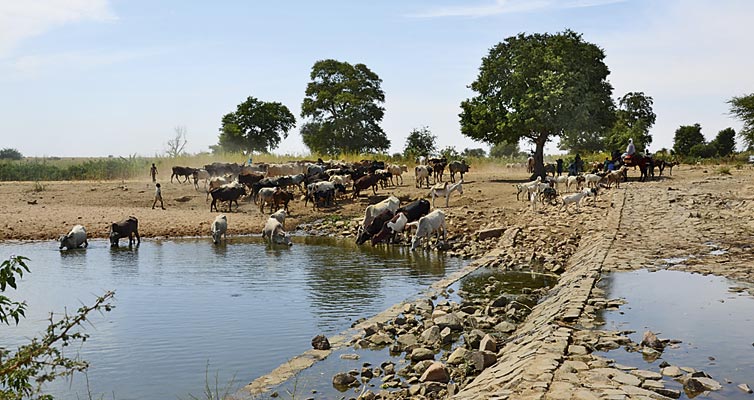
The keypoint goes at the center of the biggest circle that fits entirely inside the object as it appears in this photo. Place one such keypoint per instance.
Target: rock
(408, 339)
(488, 343)
(505, 327)
(436, 372)
(381, 339)
(489, 233)
(367, 373)
(672, 371)
(431, 335)
(372, 329)
(422, 353)
(446, 335)
(349, 356)
(501, 301)
(482, 359)
(473, 338)
(451, 321)
(343, 380)
(644, 374)
(672, 393)
(320, 342)
(708, 383)
(692, 385)
(458, 356)
(744, 387)
(650, 340)
(419, 368)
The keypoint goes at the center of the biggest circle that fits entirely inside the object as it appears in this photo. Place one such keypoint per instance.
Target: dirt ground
(696, 208)
(41, 211)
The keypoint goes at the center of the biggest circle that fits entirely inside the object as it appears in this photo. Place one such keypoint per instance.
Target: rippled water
(716, 326)
(244, 307)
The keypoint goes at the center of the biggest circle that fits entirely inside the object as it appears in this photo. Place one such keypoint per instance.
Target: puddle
(675, 260)
(316, 381)
(714, 324)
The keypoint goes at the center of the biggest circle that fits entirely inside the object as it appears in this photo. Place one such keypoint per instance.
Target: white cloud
(510, 6)
(23, 19)
(34, 66)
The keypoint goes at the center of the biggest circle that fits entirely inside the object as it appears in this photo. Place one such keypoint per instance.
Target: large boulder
(488, 343)
(458, 356)
(435, 373)
(431, 335)
(483, 359)
(343, 380)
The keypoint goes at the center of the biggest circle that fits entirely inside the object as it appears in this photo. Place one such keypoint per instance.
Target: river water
(185, 308)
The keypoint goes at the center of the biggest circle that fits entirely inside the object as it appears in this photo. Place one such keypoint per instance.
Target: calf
(374, 227)
(396, 225)
(422, 173)
(281, 198)
(577, 197)
(74, 239)
(219, 228)
(128, 227)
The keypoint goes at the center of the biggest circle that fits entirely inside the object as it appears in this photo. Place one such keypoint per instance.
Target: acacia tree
(420, 142)
(743, 108)
(343, 102)
(255, 126)
(633, 119)
(538, 87)
(686, 137)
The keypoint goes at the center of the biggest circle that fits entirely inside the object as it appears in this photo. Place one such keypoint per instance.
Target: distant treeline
(97, 169)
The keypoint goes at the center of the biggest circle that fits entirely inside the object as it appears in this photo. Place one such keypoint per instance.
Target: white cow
(433, 222)
(422, 173)
(273, 231)
(219, 228)
(74, 239)
(372, 211)
(280, 216)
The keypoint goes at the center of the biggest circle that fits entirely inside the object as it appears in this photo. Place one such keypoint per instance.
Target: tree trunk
(539, 157)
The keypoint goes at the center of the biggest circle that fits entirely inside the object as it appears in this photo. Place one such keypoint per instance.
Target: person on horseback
(630, 150)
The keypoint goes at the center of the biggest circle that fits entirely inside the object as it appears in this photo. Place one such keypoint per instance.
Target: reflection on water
(714, 324)
(243, 306)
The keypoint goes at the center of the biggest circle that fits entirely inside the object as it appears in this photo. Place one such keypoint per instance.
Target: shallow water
(243, 308)
(316, 381)
(716, 326)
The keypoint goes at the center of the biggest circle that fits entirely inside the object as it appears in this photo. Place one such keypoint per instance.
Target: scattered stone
(505, 327)
(482, 359)
(745, 388)
(343, 380)
(349, 357)
(436, 372)
(422, 353)
(431, 335)
(320, 342)
(488, 343)
(650, 340)
(458, 356)
(449, 320)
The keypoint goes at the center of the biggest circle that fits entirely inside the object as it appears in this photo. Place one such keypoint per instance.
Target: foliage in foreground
(25, 370)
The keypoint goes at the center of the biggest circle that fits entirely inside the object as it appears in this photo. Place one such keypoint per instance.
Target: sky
(116, 77)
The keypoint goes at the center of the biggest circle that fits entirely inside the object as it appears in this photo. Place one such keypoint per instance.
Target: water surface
(244, 307)
(715, 325)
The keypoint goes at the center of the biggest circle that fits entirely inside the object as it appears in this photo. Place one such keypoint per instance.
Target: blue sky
(115, 77)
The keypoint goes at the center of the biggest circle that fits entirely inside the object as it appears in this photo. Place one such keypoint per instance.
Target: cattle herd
(320, 183)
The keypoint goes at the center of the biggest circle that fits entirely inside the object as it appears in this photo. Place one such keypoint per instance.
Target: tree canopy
(725, 142)
(10, 154)
(420, 142)
(686, 137)
(634, 117)
(344, 104)
(743, 108)
(539, 86)
(255, 126)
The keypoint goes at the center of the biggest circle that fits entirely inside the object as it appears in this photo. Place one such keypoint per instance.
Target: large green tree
(420, 142)
(344, 104)
(743, 108)
(255, 126)
(634, 117)
(538, 87)
(686, 137)
(725, 142)
(10, 154)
